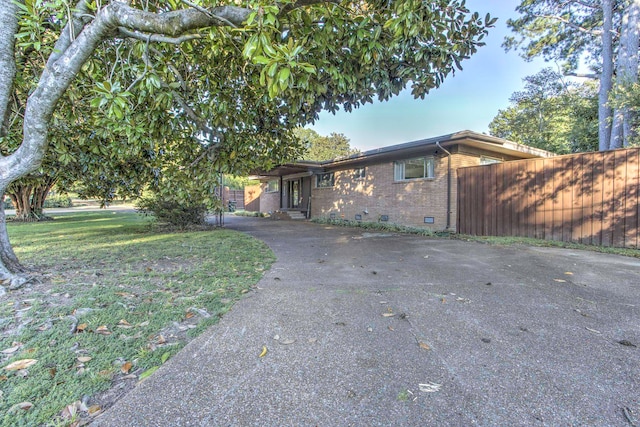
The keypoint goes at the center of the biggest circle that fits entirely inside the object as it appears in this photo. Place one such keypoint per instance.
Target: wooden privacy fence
(237, 196)
(589, 198)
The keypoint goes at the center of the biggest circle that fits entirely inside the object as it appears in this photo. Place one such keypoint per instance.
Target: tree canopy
(605, 34)
(319, 147)
(216, 85)
(552, 114)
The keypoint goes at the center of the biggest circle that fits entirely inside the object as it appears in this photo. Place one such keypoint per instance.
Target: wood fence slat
(631, 208)
(586, 190)
(576, 198)
(500, 199)
(566, 201)
(619, 198)
(494, 202)
(539, 191)
(608, 198)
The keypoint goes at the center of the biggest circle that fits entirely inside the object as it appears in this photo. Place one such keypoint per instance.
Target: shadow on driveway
(371, 329)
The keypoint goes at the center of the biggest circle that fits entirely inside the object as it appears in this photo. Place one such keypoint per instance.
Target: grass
(115, 300)
(509, 240)
(492, 240)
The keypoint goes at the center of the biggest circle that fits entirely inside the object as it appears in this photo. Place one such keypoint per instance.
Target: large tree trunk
(8, 27)
(29, 199)
(627, 74)
(629, 69)
(604, 111)
(11, 271)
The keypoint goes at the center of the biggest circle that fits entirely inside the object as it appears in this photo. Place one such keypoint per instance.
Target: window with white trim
(484, 160)
(359, 173)
(422, 167)
(273, 186)
(325, 180)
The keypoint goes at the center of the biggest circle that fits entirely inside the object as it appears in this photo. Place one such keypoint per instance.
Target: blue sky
(468, 100)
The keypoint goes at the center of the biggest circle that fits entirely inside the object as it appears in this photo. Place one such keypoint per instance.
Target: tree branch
(570, 24)
(205, 11)
(178, 22)
(79, 17)
(157, 38)
(584, 75)
(9, 24)
(581, 3)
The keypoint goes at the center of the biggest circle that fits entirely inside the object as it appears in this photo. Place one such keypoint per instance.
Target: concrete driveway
(369, 329)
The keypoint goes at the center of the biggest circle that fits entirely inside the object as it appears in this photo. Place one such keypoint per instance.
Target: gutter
(448, 184)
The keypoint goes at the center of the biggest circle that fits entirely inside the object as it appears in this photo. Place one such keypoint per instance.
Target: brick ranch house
(412, 184)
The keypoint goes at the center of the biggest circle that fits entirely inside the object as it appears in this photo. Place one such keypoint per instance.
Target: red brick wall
(269, 202)
(405, 202)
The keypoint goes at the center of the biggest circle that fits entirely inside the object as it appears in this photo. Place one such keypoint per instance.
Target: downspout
(309, 201)
(281, 193)
(448, 185)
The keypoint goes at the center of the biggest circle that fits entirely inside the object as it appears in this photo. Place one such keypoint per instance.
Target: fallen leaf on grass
(20, 364)
(189, 315)
(125, 294)
(423, 345)
(12, 350)
(84, 359)
(161, 339)
(25, 406)
(81, 327)
(103, 330)
(145, 323)
(70, 411)
(94, 409)
(126, 367)
(124, 324)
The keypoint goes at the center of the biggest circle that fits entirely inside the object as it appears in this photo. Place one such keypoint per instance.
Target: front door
(294, 194)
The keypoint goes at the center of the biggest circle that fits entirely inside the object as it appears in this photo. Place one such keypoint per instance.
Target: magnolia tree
(229, 80)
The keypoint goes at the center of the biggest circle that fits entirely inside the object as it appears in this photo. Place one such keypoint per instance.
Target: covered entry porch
(288, 188)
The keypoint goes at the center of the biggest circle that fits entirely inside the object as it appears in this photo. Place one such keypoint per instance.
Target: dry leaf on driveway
(429, 387)
(263, 353)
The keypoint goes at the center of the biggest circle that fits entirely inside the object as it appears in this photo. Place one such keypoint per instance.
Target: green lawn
(115, 299)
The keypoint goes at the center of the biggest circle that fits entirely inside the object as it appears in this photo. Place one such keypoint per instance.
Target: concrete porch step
(296, 215)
